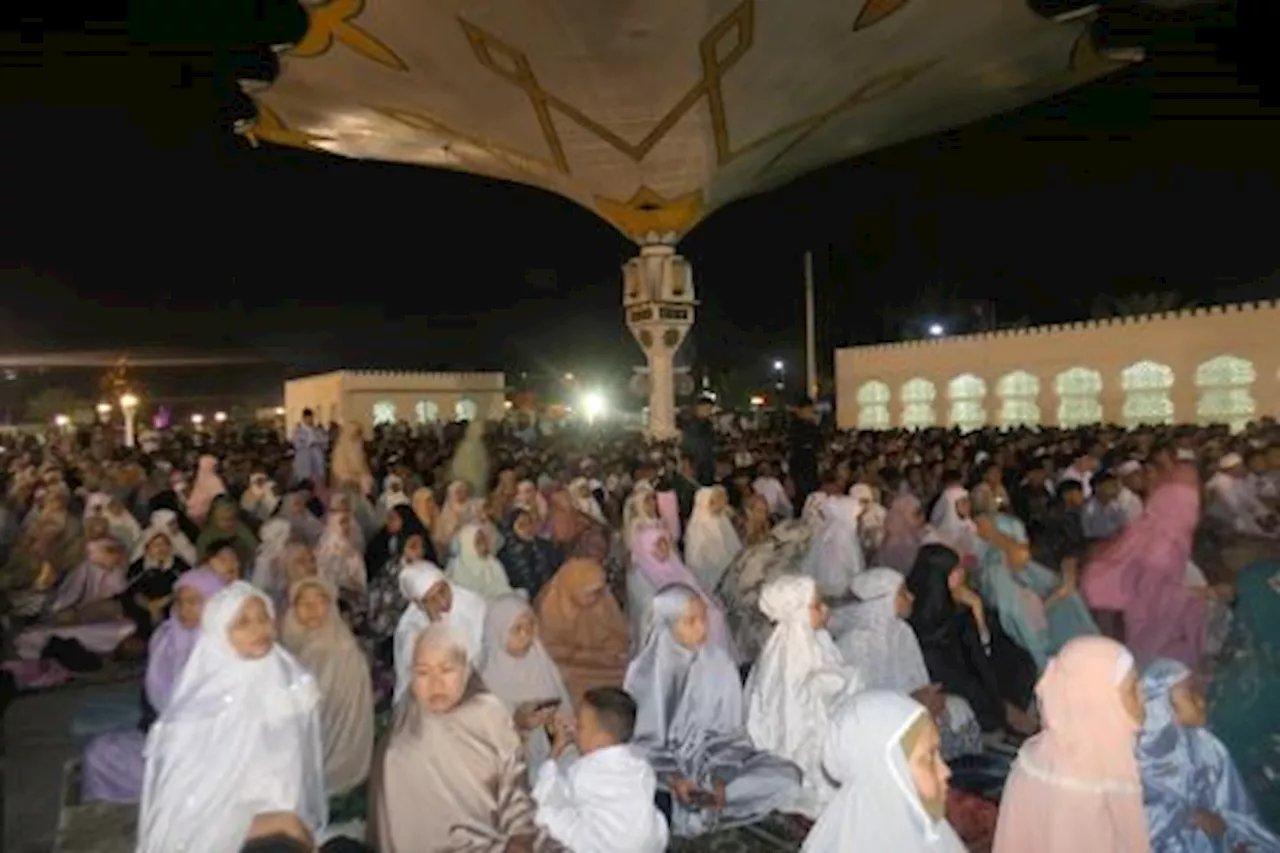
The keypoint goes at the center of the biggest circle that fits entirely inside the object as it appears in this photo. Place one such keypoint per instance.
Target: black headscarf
(933, 614)
(529, 563)
(381, 550)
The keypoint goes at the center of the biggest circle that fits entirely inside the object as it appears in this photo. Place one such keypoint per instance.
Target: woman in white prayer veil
(475, 567)
(268, 566)
(458, 510)
(882, 749)
(208, 485)
(835, 553)
(240, 736)
(690, 724)
(584, 501)
(433, 599)
(165, 521)
(798, 677)
(710, 542)
(640, 508)
(952, 522)
(872, 517)
(884, 648)
(470, 462)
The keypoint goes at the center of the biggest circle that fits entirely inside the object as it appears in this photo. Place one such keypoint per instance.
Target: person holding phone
(517, 669)
(604, 801)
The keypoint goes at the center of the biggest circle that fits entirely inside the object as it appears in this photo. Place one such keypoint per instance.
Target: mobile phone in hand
(702, 799)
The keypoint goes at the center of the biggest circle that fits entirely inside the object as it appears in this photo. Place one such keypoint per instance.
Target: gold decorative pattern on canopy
(646, 212)
(655, 114)
(875, 11)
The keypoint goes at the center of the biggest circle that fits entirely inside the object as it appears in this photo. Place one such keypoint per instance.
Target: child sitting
(1193, 796)
(603, 802)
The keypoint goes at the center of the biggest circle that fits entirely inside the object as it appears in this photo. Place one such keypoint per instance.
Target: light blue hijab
(1185, 770)
(1006, 591)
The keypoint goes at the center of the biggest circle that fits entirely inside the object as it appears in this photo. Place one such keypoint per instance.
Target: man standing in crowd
(310, 444)
(805, 444)
(698, 443)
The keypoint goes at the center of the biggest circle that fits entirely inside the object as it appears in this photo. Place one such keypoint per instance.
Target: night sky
(132, 219)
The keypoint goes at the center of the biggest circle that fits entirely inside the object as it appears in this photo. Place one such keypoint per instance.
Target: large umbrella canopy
(653, 113)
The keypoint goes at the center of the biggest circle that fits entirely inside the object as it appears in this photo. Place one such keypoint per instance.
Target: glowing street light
(937, 330)
(197, 419)
(757, 400)
(220, 417)
(279, 411)
(780, 368)
(593, 406)
(129, 405)
(104, 410)
(61, 421)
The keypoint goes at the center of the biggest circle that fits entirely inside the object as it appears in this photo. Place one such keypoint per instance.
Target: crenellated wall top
(1050, 330)
(427, 379)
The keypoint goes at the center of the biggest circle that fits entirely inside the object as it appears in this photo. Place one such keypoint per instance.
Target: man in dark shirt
(1059, 537)
(804, 446)
(698, 443)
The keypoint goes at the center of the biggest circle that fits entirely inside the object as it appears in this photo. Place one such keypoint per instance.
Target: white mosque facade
(1217, 364)
(372, 397)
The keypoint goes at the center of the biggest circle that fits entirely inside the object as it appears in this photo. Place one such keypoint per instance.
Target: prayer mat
(92, 827)
(115, 709)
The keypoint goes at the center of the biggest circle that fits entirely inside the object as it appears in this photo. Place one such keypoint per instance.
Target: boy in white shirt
(604, 801)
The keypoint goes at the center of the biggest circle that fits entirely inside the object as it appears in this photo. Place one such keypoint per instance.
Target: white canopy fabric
(652, 113)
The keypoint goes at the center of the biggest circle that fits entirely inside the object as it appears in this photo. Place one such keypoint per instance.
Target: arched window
(873, 405)
(1225, 392)
(1019, 394)
(1019, 383)
(1226, 371)
(1146, 387)
(384, 412)
(427, 411)
(465, 410)
(873, 393)
(917, 403)
(1078, 390)
(966, 393)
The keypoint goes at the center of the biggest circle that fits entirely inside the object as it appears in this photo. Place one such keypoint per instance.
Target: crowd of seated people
(459, 639)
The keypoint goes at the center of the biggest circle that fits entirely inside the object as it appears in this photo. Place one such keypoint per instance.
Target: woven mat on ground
(771, 835)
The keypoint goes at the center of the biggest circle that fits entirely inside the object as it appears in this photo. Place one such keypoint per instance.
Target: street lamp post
(129, 406)
(104, 412)
(781, 369)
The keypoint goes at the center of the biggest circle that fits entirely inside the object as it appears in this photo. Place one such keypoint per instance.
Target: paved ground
(39, 744)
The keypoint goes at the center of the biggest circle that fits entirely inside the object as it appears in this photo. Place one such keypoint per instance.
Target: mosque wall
(1219, 364)
(370, 397)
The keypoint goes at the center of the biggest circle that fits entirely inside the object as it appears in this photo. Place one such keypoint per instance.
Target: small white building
(371, 397)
